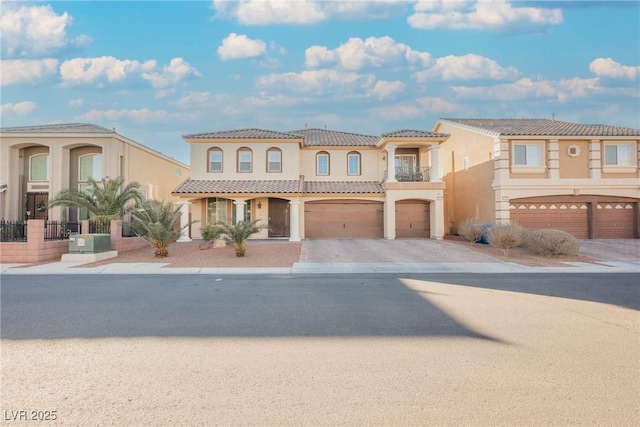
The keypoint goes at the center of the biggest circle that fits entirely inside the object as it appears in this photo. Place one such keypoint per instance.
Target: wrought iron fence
(100, 227)
(60, 230)
(13, 231)
(127, 230)
(413, 174)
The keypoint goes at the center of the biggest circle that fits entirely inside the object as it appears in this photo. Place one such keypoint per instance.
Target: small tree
(472, 230)
(158, 223)
(506, 236)
(237, 235)
(209, 233)
(104, 200)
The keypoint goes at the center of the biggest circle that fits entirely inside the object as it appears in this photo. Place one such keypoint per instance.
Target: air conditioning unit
(89, 243)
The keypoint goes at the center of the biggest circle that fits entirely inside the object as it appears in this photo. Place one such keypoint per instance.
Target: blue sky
(159, 70)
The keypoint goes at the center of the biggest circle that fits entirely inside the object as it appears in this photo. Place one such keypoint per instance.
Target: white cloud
(481, 15)
(21, 108)
(437, 105)
(467, 67)
(142, 115)
(35, 31)
(90, 70)
(240, 47)
(422, 107)
(383, 89)
(177, 71)
(318, 82)
(300, 12)
(357, 53)
(266, 12)
(17, 71)
(607, 67)
(562, 90)
(78, 102)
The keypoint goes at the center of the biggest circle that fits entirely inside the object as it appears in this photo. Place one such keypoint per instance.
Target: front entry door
(37, 206)
(279, 218)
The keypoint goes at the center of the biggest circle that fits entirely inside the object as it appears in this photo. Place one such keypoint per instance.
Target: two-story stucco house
(580, 178)
(37, 162)
(317, 183)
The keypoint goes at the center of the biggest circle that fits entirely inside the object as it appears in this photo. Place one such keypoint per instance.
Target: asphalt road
(440, 349)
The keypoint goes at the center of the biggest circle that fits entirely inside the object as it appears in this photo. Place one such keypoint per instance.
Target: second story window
(322, 163)
(353, 163)
(274, 160)
(39, 167)
(215, 160)
(244, 160)
(90, 167)
(617, 155)
(527, 155)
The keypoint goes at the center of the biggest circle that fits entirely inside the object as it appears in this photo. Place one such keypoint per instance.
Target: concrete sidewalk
(327, 268)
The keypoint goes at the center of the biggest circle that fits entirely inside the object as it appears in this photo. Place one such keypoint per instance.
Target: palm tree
(158, 223)
(237, 235)
(104, 200)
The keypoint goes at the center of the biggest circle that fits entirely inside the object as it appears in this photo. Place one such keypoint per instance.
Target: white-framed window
(274, 160)
(617, 155)
(247, 212)
(214, 163)
(245, 163)
(90, 166)
(39, 167)
(353, 163)
(216, 210)
(322, 163)
(527, 155)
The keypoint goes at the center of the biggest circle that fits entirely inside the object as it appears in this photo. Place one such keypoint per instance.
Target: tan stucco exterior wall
(468, 191)
(371, 164)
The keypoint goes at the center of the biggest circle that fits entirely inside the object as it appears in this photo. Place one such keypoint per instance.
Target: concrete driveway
(611, 249)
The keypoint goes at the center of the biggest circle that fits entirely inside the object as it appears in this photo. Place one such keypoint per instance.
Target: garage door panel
(570, 217)
(413, 219)
(615, 220)
(343, 220)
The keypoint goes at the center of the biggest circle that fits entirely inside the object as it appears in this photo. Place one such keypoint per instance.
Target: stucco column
(389, 218)
(391, 163)
(239, 210)
(595, 159)
(184, 222)
(294, 221)
(435, 169)
(437, 218)
(554, 159)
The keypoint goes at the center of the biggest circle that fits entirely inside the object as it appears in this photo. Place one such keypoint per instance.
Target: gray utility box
(89, 243)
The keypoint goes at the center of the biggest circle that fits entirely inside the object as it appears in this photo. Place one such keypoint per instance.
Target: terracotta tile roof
(412, 133)
(243, 134)
(194, 186)
(332, 138)
(343, 187)
(58, 128)
(541, 127)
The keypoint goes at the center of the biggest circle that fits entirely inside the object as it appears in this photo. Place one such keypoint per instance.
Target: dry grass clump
(506, 236)
(550, 242)
(472, 230)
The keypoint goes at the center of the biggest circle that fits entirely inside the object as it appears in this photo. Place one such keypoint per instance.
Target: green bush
(210, 232)
(470, 229)
(506, 236)
(550, 242)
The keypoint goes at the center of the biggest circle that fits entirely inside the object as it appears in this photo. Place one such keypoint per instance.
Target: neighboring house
(37, 162)
(541, 173)
(317, 183)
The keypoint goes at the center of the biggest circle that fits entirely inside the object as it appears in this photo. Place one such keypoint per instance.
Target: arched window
(214, 156)
(322, 163)
(353, 163)
(90, 166)
(274, 160)
(39, 167)
(245, 160)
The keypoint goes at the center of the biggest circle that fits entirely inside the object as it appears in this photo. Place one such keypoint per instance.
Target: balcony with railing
(411, 174)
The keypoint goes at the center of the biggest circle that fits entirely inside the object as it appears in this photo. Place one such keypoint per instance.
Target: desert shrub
(470, 229)
(506, 236)
(550, 242)
(210, 232)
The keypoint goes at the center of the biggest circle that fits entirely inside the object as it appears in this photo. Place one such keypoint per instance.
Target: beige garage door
(413, 219)
(343, 219)
(570, 217)
(615, 220)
